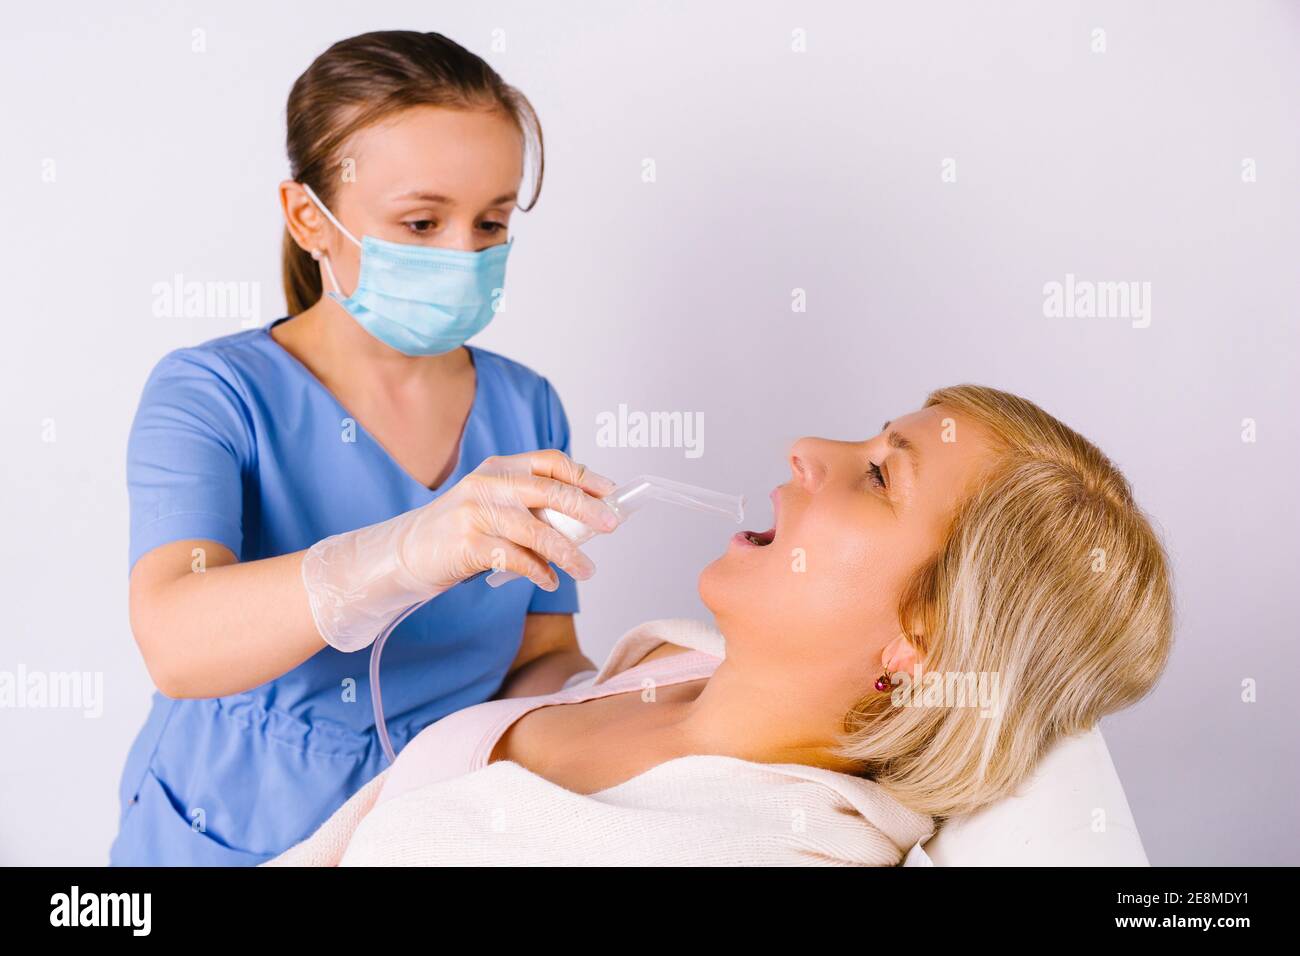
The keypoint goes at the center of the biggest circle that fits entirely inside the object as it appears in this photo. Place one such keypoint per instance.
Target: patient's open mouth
(760, 539)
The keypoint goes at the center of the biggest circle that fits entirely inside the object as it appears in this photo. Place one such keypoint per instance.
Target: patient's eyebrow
(903, 444)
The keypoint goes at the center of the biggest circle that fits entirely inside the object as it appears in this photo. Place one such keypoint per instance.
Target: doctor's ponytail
(358, 82)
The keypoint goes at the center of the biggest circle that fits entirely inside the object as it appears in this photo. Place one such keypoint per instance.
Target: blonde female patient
(963, 538)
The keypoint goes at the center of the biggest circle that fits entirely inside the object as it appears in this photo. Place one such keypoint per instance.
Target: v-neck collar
(475, 405)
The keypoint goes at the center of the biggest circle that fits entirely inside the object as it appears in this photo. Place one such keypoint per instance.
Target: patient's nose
(808, 463)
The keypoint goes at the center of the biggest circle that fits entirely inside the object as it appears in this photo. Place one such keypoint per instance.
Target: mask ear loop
(324, 260)
(317, 254)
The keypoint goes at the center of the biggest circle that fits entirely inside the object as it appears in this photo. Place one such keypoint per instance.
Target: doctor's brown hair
(358, 82)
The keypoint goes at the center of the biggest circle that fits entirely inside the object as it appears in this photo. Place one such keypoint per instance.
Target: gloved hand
(361, 581)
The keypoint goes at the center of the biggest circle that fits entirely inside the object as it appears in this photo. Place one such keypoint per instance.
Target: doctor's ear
(305, 222)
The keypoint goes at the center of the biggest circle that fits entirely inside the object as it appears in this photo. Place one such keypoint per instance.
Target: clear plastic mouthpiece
(629, 498)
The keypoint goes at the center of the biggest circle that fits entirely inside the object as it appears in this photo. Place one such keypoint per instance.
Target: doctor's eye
(420, 227)
(492, 227)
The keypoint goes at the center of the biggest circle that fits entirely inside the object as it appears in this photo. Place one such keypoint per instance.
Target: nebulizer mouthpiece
(627, 499)
(624, 501)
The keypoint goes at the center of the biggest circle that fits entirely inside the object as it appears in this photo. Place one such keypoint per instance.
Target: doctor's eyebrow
(448, 201)
(903, 444)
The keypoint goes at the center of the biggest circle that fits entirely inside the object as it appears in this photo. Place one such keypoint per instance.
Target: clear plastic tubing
(625, 500)
(377, 701)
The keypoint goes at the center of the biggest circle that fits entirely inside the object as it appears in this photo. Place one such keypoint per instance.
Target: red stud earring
(883, 683)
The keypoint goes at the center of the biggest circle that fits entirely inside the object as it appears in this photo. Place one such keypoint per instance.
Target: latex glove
(359, 582)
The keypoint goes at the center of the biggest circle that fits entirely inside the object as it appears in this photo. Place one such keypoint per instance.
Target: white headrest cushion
(1071, 812)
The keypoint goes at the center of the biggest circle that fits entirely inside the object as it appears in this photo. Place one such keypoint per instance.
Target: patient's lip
(775, 496)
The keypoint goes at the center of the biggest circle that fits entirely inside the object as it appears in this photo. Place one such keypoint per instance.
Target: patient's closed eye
(875, 476)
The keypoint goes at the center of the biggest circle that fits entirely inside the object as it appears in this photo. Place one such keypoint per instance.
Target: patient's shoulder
(657, 639)
(663, 650)
(636, 656)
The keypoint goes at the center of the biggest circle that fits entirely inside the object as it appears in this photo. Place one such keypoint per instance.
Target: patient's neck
(768, 712)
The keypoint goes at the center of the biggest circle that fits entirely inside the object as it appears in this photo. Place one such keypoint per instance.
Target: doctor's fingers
(536, 491)
(550, 463)
(553, 463)
(490, 491)
(508, 556)
(525, 529)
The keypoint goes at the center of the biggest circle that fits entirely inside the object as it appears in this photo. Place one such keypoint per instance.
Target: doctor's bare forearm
(209, 625)
(548, 655)
(545, 674)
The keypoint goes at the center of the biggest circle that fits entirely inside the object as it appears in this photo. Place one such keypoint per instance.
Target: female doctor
(295, 488)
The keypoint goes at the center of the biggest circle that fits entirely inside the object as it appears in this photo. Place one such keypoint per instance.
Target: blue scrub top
(237, 442)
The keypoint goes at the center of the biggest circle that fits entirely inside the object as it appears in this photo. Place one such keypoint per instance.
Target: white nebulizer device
(624, 501)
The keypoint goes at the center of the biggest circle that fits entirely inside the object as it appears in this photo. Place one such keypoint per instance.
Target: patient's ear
(899, 655)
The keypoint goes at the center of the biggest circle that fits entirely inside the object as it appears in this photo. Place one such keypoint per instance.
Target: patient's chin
(729, 589)
(715, 584)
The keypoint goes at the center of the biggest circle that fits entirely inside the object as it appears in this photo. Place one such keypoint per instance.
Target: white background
(776, 170)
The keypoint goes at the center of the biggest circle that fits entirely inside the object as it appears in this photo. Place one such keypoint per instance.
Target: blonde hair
(1051, 579)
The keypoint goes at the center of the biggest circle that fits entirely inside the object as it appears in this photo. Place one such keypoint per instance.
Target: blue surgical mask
(420, 300)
